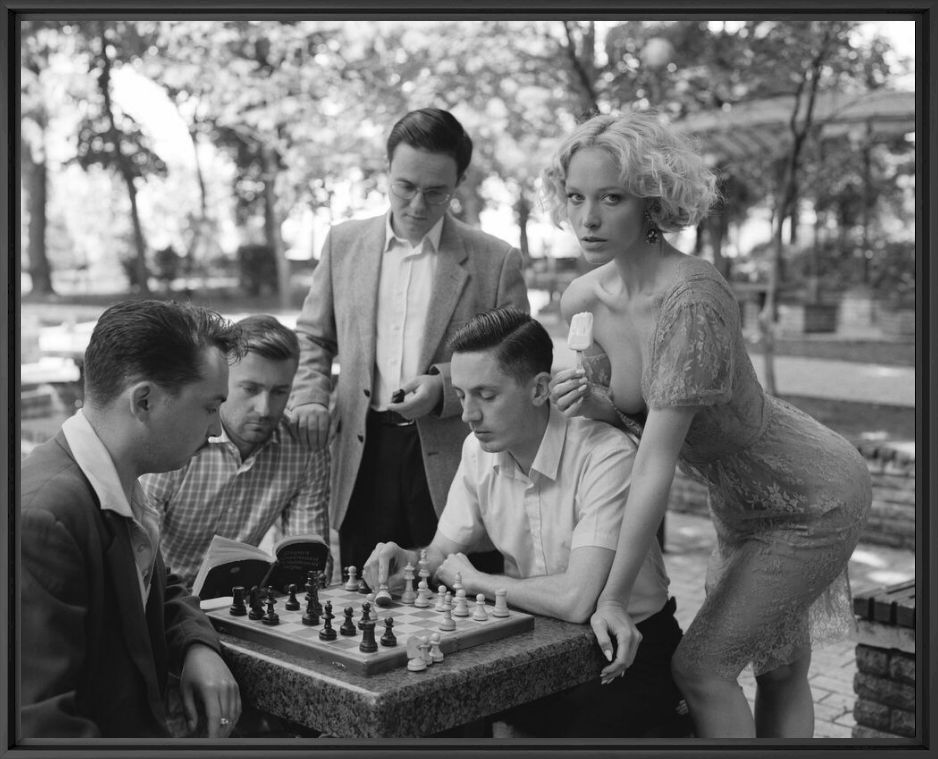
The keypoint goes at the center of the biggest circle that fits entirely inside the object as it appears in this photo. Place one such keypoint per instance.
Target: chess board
(293, 637)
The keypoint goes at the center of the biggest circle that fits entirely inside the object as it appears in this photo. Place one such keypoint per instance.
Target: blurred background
(206, 159)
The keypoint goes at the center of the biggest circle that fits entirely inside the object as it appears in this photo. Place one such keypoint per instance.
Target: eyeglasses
(407, 191)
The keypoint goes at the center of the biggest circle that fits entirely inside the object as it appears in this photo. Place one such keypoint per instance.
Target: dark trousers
(643, 703)
(391, 499)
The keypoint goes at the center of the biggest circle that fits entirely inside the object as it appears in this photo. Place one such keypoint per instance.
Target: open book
(230, 562)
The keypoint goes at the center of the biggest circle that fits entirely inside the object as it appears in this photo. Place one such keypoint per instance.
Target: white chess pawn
(352, 582)
(440, 598)
(436, 655)
(462, 605)
(480, 614)
(448, 623)
(457, 583)
(449, 600)
(408, 595)
(423, 589)
(501, 603)
(383, 596)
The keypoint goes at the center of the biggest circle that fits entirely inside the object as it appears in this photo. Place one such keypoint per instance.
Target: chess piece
(461, 608)
(415, 659)
(363, 587)
(424, 564)
(327, 633)
(457, 582)
(292, 604)
(423, 589)
(311, 617)
(366, 615)
(449, 600)
(352, 582)
(237, 608)
(448, 623)
(501, 603)
(271, 617)
(408, 596)
(480, 614)
(257, 608)
(383, 596)
(348, 626)
(440, 598)
(388, 639)
(312, 595)
(417, 664)
(436, 655)
(368, 643)
(424, 647)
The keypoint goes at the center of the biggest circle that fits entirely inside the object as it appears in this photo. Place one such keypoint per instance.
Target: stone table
(467, 686)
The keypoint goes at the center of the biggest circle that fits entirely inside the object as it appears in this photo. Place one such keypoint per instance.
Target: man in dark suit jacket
(387, 295)
(102, 623)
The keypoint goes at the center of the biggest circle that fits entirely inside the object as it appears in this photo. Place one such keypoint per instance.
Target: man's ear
(540, 390)
(141, 399)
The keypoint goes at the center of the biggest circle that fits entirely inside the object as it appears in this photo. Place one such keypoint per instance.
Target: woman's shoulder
(694, 279)
(580, 294)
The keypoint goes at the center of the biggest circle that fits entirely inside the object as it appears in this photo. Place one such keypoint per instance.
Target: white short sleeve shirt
(573, 496)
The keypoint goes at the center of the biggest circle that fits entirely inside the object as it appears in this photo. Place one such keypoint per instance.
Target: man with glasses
(387, 295)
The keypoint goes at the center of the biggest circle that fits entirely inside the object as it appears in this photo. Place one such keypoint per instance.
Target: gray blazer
(476, 272)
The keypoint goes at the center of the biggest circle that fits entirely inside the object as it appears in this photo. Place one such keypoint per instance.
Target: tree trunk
(37, 191)
(124, 167)
(272, 226)
(523, 212)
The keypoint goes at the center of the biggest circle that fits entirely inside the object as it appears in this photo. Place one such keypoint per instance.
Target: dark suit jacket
(475, 272)
(94, 662)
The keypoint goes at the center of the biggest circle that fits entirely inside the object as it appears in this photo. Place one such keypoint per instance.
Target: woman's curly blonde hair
(654, 162)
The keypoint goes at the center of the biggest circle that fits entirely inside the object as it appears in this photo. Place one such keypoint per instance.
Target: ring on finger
(224, 722)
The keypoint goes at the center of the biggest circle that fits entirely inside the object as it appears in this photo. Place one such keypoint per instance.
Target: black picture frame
(925, 12)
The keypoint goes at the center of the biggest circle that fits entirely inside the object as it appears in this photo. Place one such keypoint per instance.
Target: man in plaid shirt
(257, 474)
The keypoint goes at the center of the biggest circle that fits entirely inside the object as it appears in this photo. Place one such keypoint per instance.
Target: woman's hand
(568, 389)
(611, 622)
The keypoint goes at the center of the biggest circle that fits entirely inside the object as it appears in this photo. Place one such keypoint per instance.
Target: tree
(114, 140)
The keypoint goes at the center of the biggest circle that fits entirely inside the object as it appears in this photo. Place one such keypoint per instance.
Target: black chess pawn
(348, 626)
(311, 617)
(271, 617)
(388, 639)
(257, 608)
(237, 608)
(327, 633)
(366, 615)
(292, 603)
(368, 644)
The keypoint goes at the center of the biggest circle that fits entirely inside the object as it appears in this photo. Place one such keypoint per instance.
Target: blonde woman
(669, 365)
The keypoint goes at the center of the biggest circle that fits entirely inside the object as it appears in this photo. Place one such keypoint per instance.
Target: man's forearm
(549, 595)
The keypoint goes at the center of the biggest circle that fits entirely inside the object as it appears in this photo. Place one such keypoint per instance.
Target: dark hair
(264, 335)
(161, 341)
(521, 344)
(436, 131)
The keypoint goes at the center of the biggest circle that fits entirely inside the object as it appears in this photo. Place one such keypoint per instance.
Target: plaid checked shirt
(218, 494)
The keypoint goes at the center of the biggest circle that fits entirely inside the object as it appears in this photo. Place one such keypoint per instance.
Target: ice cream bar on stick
(580, 337)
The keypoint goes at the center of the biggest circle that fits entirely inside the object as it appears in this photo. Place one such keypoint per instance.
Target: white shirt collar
(96, 463)
(432, 237)
(547, 459)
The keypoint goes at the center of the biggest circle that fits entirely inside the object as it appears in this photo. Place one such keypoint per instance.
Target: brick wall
(884, 682)
(892, 517)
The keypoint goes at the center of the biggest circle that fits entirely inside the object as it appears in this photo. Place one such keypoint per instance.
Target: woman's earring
(651, 233)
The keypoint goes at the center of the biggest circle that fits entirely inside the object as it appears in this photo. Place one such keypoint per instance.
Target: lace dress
(788, 496)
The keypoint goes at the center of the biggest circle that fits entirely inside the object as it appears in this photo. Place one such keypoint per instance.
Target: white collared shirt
(404, 289)
(142, 520)
(573, 496)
